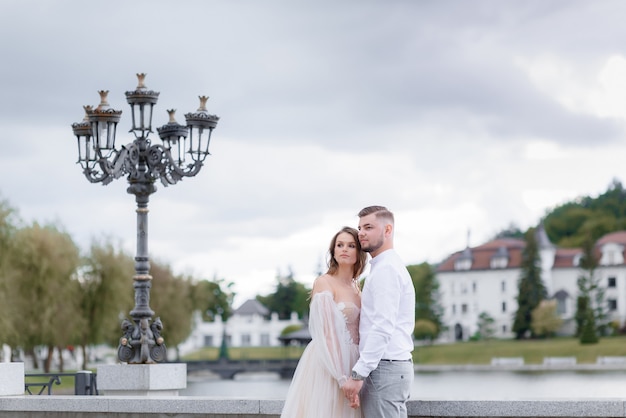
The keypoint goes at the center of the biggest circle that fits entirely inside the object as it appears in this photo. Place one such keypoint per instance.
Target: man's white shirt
(387, 313)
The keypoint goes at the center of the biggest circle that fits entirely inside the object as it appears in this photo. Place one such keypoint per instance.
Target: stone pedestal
(142, 379)
(11, 379)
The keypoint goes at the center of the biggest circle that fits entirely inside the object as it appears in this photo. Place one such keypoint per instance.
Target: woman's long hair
(361, 256)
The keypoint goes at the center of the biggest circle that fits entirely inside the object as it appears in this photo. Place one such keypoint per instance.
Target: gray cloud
(325, 107)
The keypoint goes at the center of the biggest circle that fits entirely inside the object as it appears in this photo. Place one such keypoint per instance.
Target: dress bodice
(351, 313)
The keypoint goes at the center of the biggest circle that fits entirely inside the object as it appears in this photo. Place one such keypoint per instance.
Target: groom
(384, 371)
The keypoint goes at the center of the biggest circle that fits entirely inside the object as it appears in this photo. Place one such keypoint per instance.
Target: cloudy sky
(457, 115)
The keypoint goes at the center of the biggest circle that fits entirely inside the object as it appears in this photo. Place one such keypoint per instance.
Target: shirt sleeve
(384, 291)
(328, 328)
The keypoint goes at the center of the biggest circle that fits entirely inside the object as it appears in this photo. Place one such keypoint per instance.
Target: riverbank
(531, 352)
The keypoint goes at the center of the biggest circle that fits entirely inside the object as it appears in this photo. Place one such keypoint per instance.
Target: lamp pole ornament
(180, 154)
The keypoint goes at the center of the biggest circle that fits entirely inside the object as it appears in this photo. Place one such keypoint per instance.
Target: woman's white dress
(326, 363)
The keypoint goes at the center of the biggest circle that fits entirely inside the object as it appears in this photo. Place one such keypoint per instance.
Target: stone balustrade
(188, 407)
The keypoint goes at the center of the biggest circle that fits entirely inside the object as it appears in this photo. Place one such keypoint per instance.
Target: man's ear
(388, 229)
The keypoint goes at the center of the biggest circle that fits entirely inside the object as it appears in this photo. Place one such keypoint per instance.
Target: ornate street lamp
(181, 154)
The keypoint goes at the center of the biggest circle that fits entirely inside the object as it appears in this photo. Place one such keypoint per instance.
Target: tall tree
(105, 280)
(427, 306)
(171, 301)
(8, 221)
(212, 298)
(592, 316)
(531, 289)
(290, 296)
(47, 296)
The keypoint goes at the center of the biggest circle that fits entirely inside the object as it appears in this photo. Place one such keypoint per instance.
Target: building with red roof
(484, 279)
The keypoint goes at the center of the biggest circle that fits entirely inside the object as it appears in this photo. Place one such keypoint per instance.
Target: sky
(462, 117)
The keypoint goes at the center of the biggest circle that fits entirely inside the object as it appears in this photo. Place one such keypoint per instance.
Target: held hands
(351, 390)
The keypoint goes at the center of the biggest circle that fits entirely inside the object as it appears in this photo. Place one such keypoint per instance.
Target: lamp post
(181, 154)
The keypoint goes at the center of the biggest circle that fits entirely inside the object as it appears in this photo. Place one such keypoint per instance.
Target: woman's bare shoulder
(323, 284)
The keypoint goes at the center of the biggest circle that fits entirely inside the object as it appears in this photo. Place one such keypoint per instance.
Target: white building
(485, 279)
(250, 325)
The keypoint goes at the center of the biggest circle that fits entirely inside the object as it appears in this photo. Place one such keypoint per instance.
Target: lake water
(457, 385)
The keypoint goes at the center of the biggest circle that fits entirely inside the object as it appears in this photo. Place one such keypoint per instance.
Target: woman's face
(345, 249)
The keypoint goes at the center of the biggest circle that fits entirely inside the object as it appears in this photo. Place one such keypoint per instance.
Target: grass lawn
(533, 351)
(474, 352)
(247, 353)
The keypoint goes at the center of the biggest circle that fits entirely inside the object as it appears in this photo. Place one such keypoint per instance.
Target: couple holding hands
(359, 361)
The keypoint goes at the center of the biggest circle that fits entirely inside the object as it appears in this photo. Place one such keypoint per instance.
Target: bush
(425, 330)
(291, 328)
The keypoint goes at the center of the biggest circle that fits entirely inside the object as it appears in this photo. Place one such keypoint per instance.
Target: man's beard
(373, 246)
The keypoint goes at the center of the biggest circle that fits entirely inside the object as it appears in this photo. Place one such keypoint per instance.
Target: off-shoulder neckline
(337, 303)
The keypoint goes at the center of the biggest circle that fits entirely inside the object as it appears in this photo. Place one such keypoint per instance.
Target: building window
(265, 340)
(474, 287)
(503, 306)
(208, 341)
(612, 282)
(504, 329)
(503, 286)
(463, 288)
(453, 309)
(464, 308)
(452, 288)
(612, 304)
(245, 340)
(611, 257)
(576, 260)
(499, 262)
(561, 307)
(463, 264)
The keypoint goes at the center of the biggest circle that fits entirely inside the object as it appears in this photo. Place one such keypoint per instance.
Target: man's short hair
(380, 211)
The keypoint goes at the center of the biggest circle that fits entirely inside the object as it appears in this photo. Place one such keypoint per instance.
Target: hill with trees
(570, 224)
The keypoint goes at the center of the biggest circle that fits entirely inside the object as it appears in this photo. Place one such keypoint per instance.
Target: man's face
(371, 233)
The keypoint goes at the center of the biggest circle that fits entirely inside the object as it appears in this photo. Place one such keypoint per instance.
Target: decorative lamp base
(142, 379)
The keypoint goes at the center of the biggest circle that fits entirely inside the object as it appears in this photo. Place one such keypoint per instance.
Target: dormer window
(576, 259)
(612, 254)
(464, 262)
(500, 259)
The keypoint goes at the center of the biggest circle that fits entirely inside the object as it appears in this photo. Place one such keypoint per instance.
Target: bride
(325, 365)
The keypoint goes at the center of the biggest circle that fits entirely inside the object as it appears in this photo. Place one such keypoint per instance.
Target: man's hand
(351, 390)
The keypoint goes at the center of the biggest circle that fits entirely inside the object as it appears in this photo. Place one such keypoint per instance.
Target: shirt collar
(380, 257)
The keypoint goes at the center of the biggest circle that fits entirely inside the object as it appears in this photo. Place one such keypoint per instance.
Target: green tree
(582, 302)
(486, 327)
(511, 231)
(105, 280)
(531, 290)
(425, 330)
(171, 300)
(589, 334)
(569, 224)
(427, 305)
(545, 320)
(213, 298)
(47, 296)
(8, 331)
(593, 316)
(290, 296)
